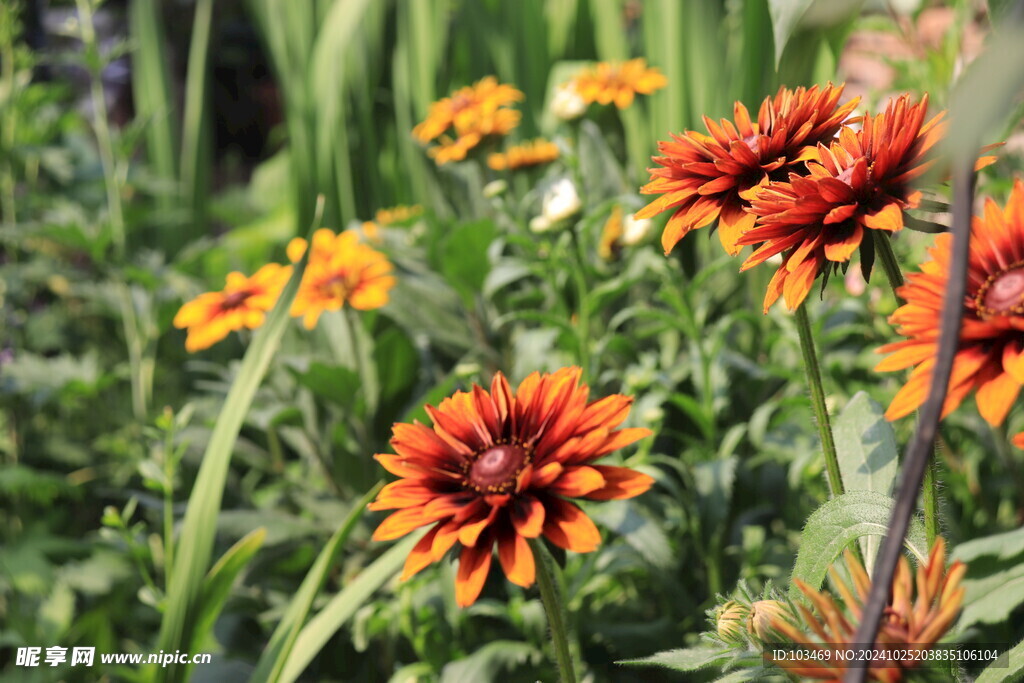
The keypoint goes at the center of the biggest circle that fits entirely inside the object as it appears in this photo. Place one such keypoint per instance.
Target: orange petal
(1013, 360)
(400, 523)
(889, 218)
(528, 516)
(420, 556)
(996, 396)
(620, 482)
(577, 481)
(516, 559)
(568, 527)
(474, 563)
(1018, 440)
(732, 223)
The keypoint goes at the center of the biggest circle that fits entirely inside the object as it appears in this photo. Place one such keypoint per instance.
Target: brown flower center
(235, 299)
(1003, 293)
(337, 287)
(495, 470)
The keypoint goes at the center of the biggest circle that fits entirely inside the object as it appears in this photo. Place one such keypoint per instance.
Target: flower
(762, 617)
(704, 178)
(243, 302)
(471, 113)
(611, 236)
(340, 271)
(907, 623)
(634, 229)
(1018, 440)
(567, 104)
(474, 108)
(617, 82)
(990, 356)
(500, 468)
(385, 217)
(533, 153)
(560, 201)
(861, 182)
(729, 620)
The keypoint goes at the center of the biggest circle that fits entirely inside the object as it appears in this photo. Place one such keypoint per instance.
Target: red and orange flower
(861, 182)
(990, 358)
(340, 272)
(242, 303)
(912, 620)
(467, 117)
(498, 468)
(703, 178)
(618, 82)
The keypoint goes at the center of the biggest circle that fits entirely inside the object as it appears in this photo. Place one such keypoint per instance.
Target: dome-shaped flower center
(495, 470)
(1003, 293)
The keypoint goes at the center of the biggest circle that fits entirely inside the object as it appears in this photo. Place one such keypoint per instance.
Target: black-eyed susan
(530, 153)
(618, 82)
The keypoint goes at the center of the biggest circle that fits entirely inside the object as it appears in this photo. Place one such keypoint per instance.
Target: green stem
(930, 492)
(582, 303)
(9, 125)
(828, 445)
(550, 595)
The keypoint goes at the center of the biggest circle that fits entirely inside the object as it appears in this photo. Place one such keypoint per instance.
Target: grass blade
(219, 580)
(273, 659)
(342, 606)
(196, 138)
(195, 545)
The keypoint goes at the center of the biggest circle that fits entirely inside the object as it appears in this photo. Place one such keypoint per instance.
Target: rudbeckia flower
(242, 303)
(861, 182)
(990, 357)
(340, 272)
(498, 468)
(703, 178)
(618, 82)
(532, 153)
(468, 109)
(913, 619)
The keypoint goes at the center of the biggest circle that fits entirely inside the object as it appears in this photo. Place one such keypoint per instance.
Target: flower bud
(729, 621)
(634, 229)
(762, 612)
(561, 201)
(567, 104)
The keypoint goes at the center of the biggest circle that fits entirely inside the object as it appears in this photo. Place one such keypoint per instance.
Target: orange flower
(453, 150)
(618, 82)
(907, 624)
(862, 182)
(704, 178)
(533, 153)
(385, 217)
(990, 358)
(498, 468)
(470, 109)
(243, 302)
(340, 271)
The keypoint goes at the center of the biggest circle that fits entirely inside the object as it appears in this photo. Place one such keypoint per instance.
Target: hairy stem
(554, 607)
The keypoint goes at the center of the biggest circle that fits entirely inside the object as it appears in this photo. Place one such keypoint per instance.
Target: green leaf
(999, 672)
(332, 382)
(217, 585)
(683, 659)
(489, 662)
(463, 257)
(991, 599)
(195, 545)
(838, 523)
(342, 606)
(273, 659)
(1003, 546)
(785, 18)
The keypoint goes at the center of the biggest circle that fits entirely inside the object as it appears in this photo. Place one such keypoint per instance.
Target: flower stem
(930, 494)
(828, 445)
(554, 607)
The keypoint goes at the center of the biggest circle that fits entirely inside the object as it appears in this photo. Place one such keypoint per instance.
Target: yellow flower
(468, 109)
(533, 153)
(242, 303)
(453, 150)
(340, 271)
(617, 82)
(385, 217)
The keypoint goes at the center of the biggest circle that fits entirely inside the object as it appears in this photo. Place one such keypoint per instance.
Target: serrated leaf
(838, 523)
(683, 659)
(991, 599)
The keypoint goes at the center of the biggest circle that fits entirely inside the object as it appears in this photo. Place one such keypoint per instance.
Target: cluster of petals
(617, 82)
(990, 356)
(242, 304)
(499, 468)
(531, 153)
(341, 271)
(703, 178)
(912, 620)
(860, 182)
(470, 114)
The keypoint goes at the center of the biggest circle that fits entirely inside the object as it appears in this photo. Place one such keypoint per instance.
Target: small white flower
(567, 104)
(494, 188)
(634, 229)
(561, 201)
